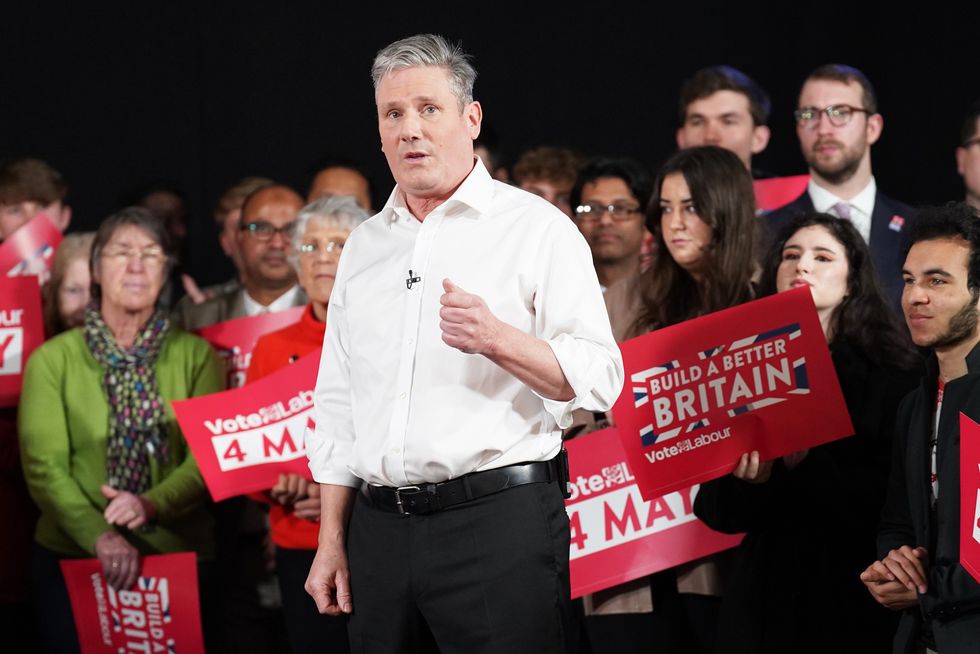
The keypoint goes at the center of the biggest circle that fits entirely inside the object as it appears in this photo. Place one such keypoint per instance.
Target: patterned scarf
(137, 420)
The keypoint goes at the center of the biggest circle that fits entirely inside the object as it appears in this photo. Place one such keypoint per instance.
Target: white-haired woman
(321, 230)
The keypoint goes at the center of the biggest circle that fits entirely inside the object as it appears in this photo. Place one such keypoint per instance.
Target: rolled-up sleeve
(330, 446)
(571, 317)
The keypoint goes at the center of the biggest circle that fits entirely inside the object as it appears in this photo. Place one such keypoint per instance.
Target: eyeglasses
(618, 211)
(150, 257)
(264, 230)
(311, 249)
(838, 114)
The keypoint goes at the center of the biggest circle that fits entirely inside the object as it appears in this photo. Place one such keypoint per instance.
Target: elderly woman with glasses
(321, 230)
(102, 454)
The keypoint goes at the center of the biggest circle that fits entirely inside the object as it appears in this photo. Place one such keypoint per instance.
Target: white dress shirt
(285, 301)
(862, 205)
(394, 404)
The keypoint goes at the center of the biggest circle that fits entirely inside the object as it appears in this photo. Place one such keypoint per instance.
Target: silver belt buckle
(398, 497)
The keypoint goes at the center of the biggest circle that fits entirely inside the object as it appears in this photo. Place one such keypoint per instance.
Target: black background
(203, 93)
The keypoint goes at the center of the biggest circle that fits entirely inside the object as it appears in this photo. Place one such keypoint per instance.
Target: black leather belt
(429, 498)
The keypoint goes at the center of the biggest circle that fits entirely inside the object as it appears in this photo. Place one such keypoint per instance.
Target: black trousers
(490, 575)
(309, 631)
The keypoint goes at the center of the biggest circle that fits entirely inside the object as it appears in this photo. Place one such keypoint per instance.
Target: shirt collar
(284, 301)
(475, 192)
(823, 200)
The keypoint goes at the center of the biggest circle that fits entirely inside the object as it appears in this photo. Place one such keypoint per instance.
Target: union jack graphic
(641, 391)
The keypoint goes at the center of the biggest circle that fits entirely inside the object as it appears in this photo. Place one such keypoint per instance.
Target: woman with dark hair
(810, 517)
(702, 216)
(101, 451)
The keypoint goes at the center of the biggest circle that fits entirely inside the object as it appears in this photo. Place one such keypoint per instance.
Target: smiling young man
(837, 122)
(919, 571)
(465, 325)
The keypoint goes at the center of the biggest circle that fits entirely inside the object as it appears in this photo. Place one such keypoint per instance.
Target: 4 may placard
(616, 535)
(244, 438)
(701, 393)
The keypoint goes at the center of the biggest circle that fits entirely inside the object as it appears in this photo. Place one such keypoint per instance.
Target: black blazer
(810, 532)
(953, 598)
(889, 224)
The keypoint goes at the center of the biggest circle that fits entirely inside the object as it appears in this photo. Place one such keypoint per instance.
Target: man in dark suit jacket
(919, 538)
(837, 122)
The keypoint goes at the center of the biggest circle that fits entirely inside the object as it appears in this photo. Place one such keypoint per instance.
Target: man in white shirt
(837, 122)
(465, 325)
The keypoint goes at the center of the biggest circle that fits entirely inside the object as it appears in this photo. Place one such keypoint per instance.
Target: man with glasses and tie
(837, 122)
(968, 155)
(608, 202)
(268, 281)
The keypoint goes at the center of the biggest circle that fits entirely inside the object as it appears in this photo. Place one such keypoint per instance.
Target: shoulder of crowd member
(197, 358)
(191, 317)
(624, 305)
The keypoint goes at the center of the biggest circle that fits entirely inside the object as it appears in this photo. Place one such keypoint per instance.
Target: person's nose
(279, 240)
(914, 294)
(712, 133)
(135, 262)
(411, 127)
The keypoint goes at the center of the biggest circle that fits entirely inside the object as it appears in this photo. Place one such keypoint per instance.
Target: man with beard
(919, 539)
(837, 122)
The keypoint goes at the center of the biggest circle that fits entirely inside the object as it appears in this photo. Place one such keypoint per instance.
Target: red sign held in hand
(244, 438)
(700, 394)
(970, 496)
(235, 339)
(160, 613)
(616, 535)
(21, 332)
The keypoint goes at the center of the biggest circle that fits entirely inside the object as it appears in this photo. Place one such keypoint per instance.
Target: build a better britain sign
(701, 393)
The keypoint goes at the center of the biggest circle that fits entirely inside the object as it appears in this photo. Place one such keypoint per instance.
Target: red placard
(21, 332)
(970, 496)
(617, 536)
(30, 249)
(775, 192)
(235, 339)
(244, 438)
(161, 613)
(701, 393)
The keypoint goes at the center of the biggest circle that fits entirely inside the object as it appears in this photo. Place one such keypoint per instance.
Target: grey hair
(428, 50)
(335, 211)
(139, 217)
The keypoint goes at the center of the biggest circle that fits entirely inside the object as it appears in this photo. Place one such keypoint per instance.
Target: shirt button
(396, 450)
(403, 395)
